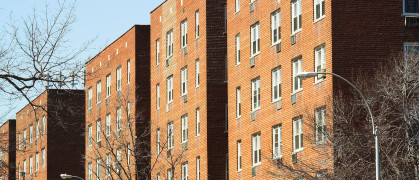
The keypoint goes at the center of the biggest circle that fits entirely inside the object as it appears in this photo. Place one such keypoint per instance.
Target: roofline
(158, 6)
(7, 122)
(136, 25)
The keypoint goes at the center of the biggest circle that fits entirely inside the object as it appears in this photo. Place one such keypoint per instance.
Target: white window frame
(90, 171)
(24, 139)
(157, 52)
(98, 130)
(297, 125)
(24, 166)
(239, 155)
(30, 165)
(410, 44)
(169, 89)
(37, 162)
(320, 61)
(43, 125)
(184, 128)
(255, 94)
(321, 125)
(108, 165)
(170, 174)
(237, 49)
(108, 124)
(319, 7)
(185, 171)
(158, 141)
(184, 34)
(89, 135)
(198, 168)
(31, 134)
(277, 142)
(158, 96)
(128, 71)
(197, 24)
(184, 81)
(37, 129)
(296, 16)
(118, 119)
(276, 27)
(43, 157)
(276, 84)
(129, 154)
(118, 78)
(237, 6)
(408, 13)
(256, 150)
(89, 98)
(297, 84)
(198, 121)
(255, 39)
(98, 169)
(238, 103)
(108, 85)
(170, 136)
(169, 45)
(98, 92)
(197, 74)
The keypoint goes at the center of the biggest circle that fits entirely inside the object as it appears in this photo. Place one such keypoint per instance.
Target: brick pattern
(8, 148)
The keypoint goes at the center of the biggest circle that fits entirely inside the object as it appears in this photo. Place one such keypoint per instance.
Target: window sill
(254, 55)
(237, 64)
(276, 158)
(410, 14)
(255, 110)
(274, 44)
(256, 165)
(296, 32)
(276, 100)
(196, 86)
(239, 171)
(320, 18)
(236, 12)
(197, 136)
(298, 150)
(319, 81)
(239, 117)
(297, 91)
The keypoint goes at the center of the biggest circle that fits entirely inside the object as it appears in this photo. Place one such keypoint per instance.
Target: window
(237, 5)
(238, 103)
(185, 171)
(237, 49)
(197, 73)
(108, 125)
(277, 142)
(118, 119)
(411, 49)
(43, 157)
(170, 174)
(30, 165)
(128, 114)
(108, 165)
(37, 129)
(255, 39)
(24, 166)
(158, 96)
(118, 78)
(298, 133)
(119, 155)
(37, 162)
(89, 98)
(90, 171)
(158, 176)
(256, 149)
(158, 141)
(43, 125)
(198, 168)
(321, 125)
(197, 24)
(170, 89)
(296, 68)
(31, 134)
(158, 52)
(239, 155)
(108, 86)
(89, 136)
(129, 154)
(276, 84)
(319, 11)
(255, 94)
(411, 6)
(98, 92)
(98, 168)
(184, 34)
(184, 80)
(296, 16)
(128, 71)
(170, 136)
(184, 128)
(98, 130)
(276, 27)
(24, 139)
(169, 46)
(198, 122)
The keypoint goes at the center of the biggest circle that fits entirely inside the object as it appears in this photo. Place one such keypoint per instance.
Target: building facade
(188, 90)
(50, 135)
(117, 113)
(8, 150)
(277, 121)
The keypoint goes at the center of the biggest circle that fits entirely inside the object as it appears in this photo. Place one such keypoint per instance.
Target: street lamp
(305, 75)
(67, 176)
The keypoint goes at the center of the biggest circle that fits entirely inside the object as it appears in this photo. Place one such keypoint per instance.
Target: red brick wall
(8, 134)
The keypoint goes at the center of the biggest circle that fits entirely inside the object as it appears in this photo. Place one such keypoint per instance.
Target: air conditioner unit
(411, 21)
(169, 153)
(185, 98)
(167, 62)
(185, 50)
(252, 61)
(321, 76)
(294, 158)
(279, 104)
(278, 47)
(107, 101)
(185, 146)
(251, 7)
(293, 39)
(253, 171)
(279, 163)
(293, 98)
(252, 116)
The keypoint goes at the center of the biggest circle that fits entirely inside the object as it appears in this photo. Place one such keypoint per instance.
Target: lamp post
(67, 176)
(305, 75)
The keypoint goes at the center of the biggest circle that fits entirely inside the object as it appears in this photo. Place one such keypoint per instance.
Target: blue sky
(103, 20)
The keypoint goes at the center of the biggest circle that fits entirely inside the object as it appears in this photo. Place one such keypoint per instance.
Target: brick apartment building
(268, 43)
(50, 137)
(188, 90)
(117, 113)
(8, 150)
